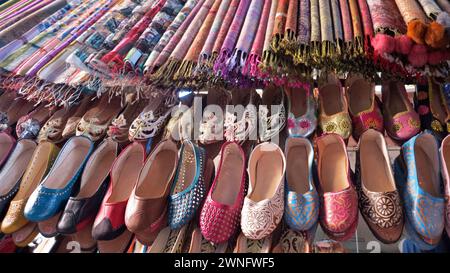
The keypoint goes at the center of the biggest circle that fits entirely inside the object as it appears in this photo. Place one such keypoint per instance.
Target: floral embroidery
(397, 127)
(330, 127)
(291, 123)
(437, 126)
(414, 123)
(371, 123)
(345, 125)
(305, 124)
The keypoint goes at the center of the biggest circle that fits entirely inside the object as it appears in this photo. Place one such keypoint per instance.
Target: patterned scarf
(205, 58)
(246, 37)
(251, 66)
(33, 32)
(268, 55)
(229, 43)
(280, 24)
(444, 4)
(346, 21)
(358, 32)
(431, 8)
(175, 40)
(171, 66)
(170, 32)
(151, 35)
(337, 22)
(386, 17)
(190, 60)
(410, 10)
(290, 33)
(328, 48)
(23, 13)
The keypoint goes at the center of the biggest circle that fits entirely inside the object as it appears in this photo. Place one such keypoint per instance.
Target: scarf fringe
(220, 65)
(185, 71)
(288, 44)
(276, 42)
(166, 72)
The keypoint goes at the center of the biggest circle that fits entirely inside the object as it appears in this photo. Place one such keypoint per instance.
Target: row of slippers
(346, 111)
(171, 187)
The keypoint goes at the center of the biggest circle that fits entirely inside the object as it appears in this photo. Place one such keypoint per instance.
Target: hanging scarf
(171, 66)
(290, 33)
(326, 29)
(337, 22)
(225, 27)
(303, 32)
(251, 66)
(358, 32)
(220, 67)
(366, 19)
(346, 22)
(268, 55)
(315, 28)
(170, 32)
(151, 35)
(431, 8)
(279, 24)
(170, 47)
(206, 59)
(386, 17)
(410, 10)
(246, 37)
(186, 70)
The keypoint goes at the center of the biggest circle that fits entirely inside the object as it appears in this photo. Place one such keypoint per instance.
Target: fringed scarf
(186, 70)
(366, 22)
(220, 66)
(289, 41)
(228, 20)
(328, 48)
(251, 67)
(315, 28)
(269, 56)
(303, 32)
(205, 59)
(280, 24)
(167, 36)
(337, 23)
(358, 32)
(431, 8)
(166, 72)
(410, 10)
(386, 17)
(246, 37)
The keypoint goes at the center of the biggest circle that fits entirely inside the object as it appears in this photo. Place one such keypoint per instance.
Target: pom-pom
(435, 57)
(383, 43)
(418, 56)
(417, 31)
(435, 36)
(403, 44)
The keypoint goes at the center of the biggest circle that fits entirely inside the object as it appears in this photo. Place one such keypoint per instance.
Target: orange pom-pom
(417, 31)
(435, 36)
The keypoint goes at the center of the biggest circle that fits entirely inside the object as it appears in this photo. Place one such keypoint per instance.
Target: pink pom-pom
(418, 56)
(403, 44)
(383, 43)
(435, 57)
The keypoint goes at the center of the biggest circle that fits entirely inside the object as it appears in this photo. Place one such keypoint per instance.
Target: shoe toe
(67, 223)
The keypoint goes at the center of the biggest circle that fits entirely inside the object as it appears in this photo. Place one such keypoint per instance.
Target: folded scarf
(444, 4)
(246, 37)
(268, 55)
(23, 13)
(337, 23)
(431, 8)
(303, 38)
(315, 28)
(410, 10)
(280, 24)
(229, 43)
(228, 20)
(6, 50)
(206, 59)
(151, 35)
(19, 28)
(186, 70)
(386, 17)
(175, 40)
(346, 21)
(171, 66)
(170, 32)
(365, 18)
(7, 4)
(251, 66)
